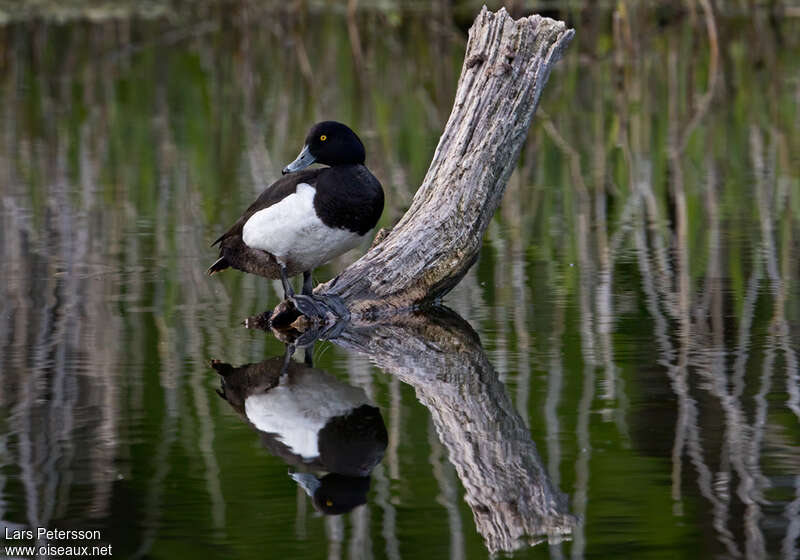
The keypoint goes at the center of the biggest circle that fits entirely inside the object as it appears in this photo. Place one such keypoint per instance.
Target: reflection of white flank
(296, 410)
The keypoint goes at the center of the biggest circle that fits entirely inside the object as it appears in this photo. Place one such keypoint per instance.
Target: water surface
(624, 353)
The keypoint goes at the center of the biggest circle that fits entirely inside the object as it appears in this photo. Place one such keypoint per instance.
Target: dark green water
(628, 338)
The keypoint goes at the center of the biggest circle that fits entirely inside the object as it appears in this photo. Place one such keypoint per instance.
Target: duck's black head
(334, 494)
(339, 494)
(330, 143)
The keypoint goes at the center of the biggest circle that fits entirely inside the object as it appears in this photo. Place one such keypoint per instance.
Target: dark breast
(349, 197)
(352, 444)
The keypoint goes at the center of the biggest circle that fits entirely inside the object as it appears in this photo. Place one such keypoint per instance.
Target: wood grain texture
(506, 66)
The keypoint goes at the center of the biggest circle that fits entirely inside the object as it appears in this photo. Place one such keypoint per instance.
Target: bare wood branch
(506, 66)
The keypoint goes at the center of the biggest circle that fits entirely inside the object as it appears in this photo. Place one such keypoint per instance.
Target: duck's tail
(221, 264)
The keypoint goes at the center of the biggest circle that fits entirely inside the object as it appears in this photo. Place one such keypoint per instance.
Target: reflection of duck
(311, 420)
(307, 218)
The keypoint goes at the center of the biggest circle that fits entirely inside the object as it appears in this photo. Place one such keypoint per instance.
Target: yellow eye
(323, 137)
(328, 502)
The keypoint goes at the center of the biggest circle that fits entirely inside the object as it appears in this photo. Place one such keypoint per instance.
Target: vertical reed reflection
(121, 149)
(695, 274)
(448, 493)
(555, 381)
(664, 169)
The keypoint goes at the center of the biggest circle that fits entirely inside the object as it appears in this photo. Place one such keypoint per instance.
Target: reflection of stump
(506, 66)
(507, 488)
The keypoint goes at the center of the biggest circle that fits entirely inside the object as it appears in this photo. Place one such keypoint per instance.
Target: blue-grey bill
(301, 162)
(307, 482)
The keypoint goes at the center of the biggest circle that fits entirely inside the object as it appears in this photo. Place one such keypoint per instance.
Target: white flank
(297, 410)
(291, 231)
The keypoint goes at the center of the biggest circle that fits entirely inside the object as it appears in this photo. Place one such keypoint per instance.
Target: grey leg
(288, 291)
(308, 287)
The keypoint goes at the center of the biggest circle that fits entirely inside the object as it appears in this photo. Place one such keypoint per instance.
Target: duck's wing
(273, 194)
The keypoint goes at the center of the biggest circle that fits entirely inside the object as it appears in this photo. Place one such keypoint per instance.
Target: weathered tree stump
(506, 66)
